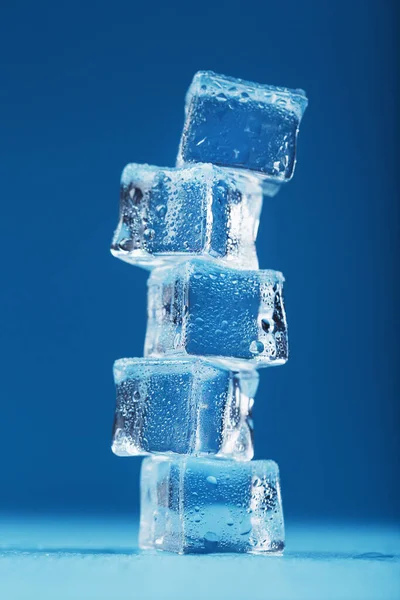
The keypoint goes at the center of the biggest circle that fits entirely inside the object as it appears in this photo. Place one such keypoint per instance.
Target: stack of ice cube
(213, 319)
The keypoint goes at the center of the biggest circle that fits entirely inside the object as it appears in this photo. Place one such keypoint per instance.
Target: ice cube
(240, 124)
(198, 308)
(169, 214)
(183, 406)
(203, 505)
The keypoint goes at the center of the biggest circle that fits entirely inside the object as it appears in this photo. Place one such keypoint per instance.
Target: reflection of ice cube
(183, 406)
(202, 505)
(199, 308)
(171, 214)
(240, 124)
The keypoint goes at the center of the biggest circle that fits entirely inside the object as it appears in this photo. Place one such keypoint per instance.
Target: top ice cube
(240, 124)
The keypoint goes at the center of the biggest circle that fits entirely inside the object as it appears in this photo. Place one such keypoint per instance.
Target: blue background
(87, 87)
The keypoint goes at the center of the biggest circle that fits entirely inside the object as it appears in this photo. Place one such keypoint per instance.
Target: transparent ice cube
(198, 308)
(202, 505)
(183, 406)
(169, 214)
(241, 124)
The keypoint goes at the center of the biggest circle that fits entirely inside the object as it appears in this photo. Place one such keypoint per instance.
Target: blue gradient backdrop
(87, 87)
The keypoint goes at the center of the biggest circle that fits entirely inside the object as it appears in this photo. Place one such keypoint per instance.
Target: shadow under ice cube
(168, 214)
(183, 406)
(200, 505)
(241, 124)
(228, 315)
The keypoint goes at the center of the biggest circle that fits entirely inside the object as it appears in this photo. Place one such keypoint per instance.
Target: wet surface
(69, 558)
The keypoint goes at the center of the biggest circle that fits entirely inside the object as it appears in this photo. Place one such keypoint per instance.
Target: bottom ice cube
(195, 505)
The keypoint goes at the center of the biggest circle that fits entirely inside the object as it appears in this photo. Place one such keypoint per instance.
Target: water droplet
(245, 529)
(126, 244)
(210, 536)
(253, 542)
(149, 234)
(256, 347)
(136, 195)
(266, 325)
(212, 480)
(161, 210)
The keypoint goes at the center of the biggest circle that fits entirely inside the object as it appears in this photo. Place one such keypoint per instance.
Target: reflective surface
(97, 559)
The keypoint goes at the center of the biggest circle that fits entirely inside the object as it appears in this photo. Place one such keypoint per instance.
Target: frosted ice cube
(241, 124)
(193, 505)
(198, 308)
(183, 406)
(169, 214)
